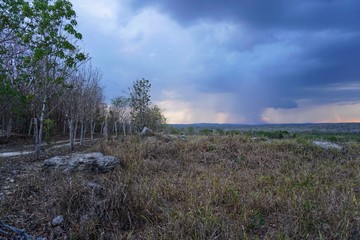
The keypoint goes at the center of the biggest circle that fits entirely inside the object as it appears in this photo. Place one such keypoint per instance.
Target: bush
(206, 132)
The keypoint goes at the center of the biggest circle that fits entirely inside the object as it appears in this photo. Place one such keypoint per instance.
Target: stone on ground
(58, 220)
(327, 145)
(83, 162)
(147, 132)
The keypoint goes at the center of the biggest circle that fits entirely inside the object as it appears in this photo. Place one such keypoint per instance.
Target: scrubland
(206, 187)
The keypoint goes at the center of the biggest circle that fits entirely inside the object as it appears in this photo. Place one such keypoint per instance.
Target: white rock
(58, 220)
(327, 145)
(146, 132)
(88, 162)
(11, 180)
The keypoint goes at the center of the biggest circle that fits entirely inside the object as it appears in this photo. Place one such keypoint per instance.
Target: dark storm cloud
(237, 57)
(282, 51)
(334, 62)
(285, 14)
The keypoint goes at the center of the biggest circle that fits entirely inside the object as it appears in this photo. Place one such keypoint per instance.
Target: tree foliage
(156, 118)
(140, 103)
(38, 45)
(143, 112)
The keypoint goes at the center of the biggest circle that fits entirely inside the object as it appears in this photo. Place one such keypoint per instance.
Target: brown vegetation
(223, 187)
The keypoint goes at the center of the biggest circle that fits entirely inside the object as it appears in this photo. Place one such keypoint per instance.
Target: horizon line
(257, 124)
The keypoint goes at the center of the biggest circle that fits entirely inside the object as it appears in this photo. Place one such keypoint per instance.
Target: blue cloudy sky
(234, 61)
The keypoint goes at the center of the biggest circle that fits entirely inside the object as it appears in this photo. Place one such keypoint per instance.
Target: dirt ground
(17, 167)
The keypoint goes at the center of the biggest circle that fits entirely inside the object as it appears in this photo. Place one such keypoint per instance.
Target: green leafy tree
(140, 103)
(13, 90)
(220, 131)
(143, 112)
(206, 132)
(191, 130)
(157, 120)
(47, 29)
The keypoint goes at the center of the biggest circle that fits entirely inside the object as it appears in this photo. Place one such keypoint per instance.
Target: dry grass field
(207, 187)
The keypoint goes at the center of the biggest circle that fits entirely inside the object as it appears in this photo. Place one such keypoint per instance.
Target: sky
(230, 61)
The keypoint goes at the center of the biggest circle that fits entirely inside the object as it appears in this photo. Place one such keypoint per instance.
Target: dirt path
(27, 149)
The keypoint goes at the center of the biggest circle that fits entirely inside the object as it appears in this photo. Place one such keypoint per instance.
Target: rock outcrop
(327, 145)
(83, 162)
(147, 132)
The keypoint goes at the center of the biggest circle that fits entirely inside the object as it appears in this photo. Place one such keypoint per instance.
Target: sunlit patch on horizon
(334, 113)
(177, 111)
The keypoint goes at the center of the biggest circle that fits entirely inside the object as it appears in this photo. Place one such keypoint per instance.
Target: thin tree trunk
(105, 130)
(92, 130)
(64, 128)
(9, 127)
(39, 130)
(41, 127)
(81, 133)
(71, 134)
(36, 138)
(115, 128)
(124, 128)
(85, 129)
(75, 130)
(30, 127)
(3, 123)
(102, 128)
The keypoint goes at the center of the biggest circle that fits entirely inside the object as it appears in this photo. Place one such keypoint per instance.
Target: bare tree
(91, 98)
(105, 113)
(120, 107)
(71, 106)
(83, 95)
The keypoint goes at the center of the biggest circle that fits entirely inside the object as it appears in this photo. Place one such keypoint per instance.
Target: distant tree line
(48, 85)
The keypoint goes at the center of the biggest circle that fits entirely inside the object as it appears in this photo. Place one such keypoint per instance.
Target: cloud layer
(230, 61)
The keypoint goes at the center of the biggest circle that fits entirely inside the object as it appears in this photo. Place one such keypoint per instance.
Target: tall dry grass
(205, 188)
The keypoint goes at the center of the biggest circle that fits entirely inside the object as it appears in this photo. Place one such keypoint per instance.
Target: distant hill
(291, 127)
(210, 125)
